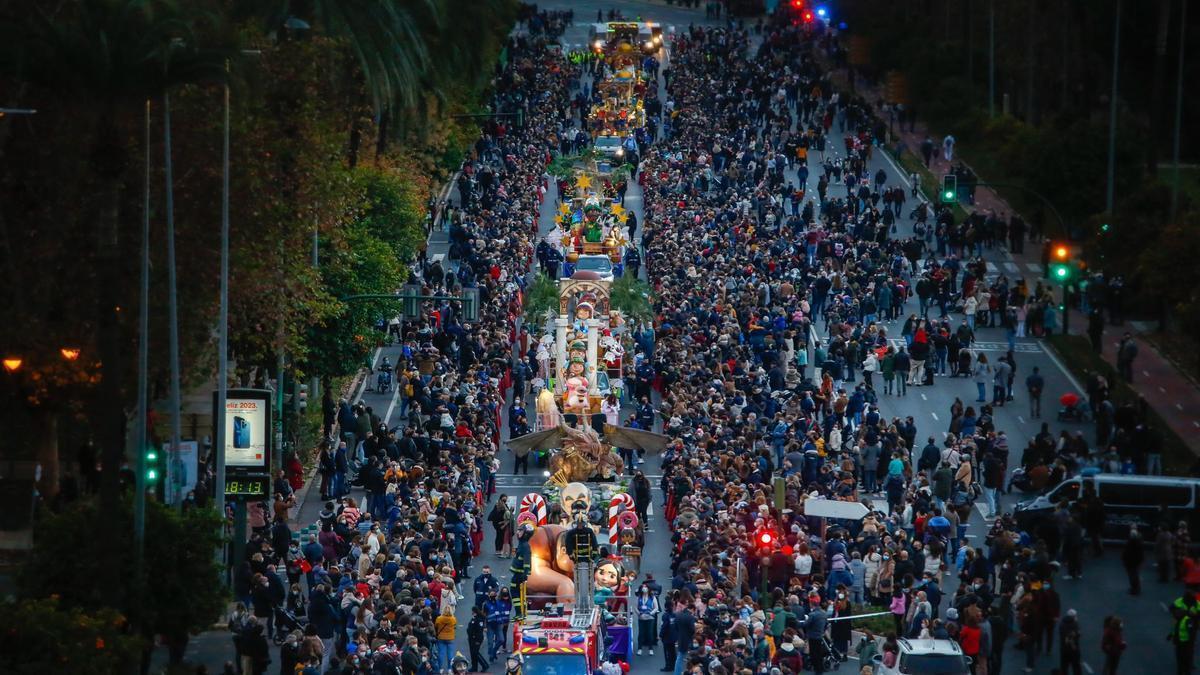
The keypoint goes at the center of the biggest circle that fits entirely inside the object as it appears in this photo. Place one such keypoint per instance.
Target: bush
(879, 625)
(43, 636)
(179, 591)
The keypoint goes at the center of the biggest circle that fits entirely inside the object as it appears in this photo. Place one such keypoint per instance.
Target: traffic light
(302, 397)
(949, 189)
(766, 538)
(797, 5)
(808, 16)
(154, 470)
(1061, 265)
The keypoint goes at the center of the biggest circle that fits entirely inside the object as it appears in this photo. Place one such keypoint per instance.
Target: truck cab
(566, 644)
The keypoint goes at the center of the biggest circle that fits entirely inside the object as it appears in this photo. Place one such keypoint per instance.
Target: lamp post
(139, 455)
(223, 320)
(172, 310)
(223, 316)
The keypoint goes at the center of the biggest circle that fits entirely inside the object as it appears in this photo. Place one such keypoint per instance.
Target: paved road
(1101, 591)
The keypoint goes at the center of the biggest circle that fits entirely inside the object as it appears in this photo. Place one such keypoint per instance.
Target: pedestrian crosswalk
(1010, 267)
(1018, 347)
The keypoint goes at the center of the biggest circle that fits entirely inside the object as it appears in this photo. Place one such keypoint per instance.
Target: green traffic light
(151, 456)
(1061, 272)
(1105, 227)
(948, 195)
(152, 474)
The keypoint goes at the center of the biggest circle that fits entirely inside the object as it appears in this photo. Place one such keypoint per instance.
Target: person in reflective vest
(1186, 611)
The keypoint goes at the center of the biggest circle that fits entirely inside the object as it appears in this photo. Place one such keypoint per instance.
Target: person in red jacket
(969, 635)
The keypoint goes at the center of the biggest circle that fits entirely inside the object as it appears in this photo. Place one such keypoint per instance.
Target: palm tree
(631, 296)
(541, 300)
(388, 38)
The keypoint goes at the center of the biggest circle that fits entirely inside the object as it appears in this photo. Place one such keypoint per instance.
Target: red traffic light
(808, 16)
(766, 538)
(797, 4)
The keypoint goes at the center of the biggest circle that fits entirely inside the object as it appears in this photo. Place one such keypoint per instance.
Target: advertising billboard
(247, 421)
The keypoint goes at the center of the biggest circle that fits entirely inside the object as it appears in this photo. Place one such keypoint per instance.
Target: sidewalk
(1167, 391)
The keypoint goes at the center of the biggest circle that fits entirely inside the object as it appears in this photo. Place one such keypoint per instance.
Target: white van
(1128, 500)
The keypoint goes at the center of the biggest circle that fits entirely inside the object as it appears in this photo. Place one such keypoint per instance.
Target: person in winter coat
(870, 367)
(965, 474)
(1132, 556)
(669, 636)
(1070, 654)
(648, 610)
(323, 617)
(476, 634)
(1112, 643)
(887, 369)
(256, 653)
(982, 373)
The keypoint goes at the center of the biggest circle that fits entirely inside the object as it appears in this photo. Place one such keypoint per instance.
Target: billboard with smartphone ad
(247, 422)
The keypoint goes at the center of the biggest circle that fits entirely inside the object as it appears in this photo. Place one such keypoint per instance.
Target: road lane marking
(1162, 390)
(1196, 424)
(1020, 419)
(1012, 267)
(1063, 369)
(1147, 374)
(1179, 406)
(392, 405)
(935, 417)
(923, 397)
(1034, 267)
(1088, 668)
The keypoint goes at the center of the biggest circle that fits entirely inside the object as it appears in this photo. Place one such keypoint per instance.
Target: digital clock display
(246, 487)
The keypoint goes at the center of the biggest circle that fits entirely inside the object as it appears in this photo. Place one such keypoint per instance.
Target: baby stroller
(1073, 409)
(831, 658)
(383, 382)
(285, 622)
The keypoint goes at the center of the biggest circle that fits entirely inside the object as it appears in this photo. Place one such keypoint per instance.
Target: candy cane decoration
(535, 504)
(620, 501)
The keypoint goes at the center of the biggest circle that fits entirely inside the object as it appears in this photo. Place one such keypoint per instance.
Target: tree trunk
(107, 415)
(45, 424)
(381, 140)
(355, 142)
(1157, 121)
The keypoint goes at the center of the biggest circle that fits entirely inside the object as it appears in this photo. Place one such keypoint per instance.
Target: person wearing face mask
(648, 609)
(839, 631)
(814, 629)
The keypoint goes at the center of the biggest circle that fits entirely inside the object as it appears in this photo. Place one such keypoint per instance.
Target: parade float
(581, 358)
(573, 583)
(590, 226)
(580, 536)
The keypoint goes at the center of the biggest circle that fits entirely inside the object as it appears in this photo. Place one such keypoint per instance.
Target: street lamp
(69, 353)
(12, 363)
(17, 111)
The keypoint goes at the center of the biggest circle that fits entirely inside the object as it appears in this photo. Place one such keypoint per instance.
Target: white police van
(1128, 500)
